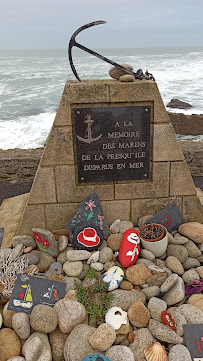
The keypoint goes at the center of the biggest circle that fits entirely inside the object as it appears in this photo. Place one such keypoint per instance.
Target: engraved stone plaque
(112, 143)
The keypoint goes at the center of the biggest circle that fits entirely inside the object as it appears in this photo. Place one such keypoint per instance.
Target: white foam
(27, 132)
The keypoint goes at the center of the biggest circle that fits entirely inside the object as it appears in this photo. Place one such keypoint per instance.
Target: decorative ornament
(155, 352)
(130, 248)
(116, 317)
(168, 319)
(113, 278)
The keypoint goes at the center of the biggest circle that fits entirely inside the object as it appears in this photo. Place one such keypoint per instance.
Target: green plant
(94, 298)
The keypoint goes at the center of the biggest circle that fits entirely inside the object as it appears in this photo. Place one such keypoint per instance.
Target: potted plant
(154, 238)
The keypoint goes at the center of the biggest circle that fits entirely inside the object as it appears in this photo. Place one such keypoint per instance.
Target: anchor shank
(105, 59)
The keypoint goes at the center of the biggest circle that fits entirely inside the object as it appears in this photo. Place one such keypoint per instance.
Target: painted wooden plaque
(112, 143)
(170, 217)
(30, 291)
(194, 341)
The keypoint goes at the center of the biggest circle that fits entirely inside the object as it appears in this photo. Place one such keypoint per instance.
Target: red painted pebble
(168, 319)
(129, 249)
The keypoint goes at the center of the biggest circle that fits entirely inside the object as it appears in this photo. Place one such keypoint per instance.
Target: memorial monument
(113, 138)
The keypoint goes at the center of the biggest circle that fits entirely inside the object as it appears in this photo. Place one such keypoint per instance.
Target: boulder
(138, 274)
(103, 337)
(163, 332)
(70, 314)
(119, 352)
(77, 345)
(37, 348)
(192, 230)
(138, 314)
(57, 341)
(43, 319)
(124, 299)
(178, 104)
(10, 344)
(21, 325)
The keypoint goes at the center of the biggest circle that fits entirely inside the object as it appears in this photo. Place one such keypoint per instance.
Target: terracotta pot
(148, 226)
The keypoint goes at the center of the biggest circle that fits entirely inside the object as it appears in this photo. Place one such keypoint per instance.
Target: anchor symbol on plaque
(89, 139)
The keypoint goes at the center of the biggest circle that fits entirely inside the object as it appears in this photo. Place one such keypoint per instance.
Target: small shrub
(94, 298)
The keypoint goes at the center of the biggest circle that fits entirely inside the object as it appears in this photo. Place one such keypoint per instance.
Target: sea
(32, 82)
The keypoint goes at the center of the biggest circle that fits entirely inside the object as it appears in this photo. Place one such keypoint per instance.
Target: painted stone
(168, 319)
(129, 249)
(95, 357)
(45, 241)
(88, 227)
(113, 278)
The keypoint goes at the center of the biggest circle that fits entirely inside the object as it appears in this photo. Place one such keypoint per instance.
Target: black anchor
(138, 75)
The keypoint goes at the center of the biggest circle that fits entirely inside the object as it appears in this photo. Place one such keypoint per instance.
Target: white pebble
(97, 266)
(93, 258)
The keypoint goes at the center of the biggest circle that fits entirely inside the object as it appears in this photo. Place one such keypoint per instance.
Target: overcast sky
(49, 24)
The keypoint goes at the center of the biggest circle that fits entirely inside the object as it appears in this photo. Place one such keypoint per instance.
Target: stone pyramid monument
(151, 175)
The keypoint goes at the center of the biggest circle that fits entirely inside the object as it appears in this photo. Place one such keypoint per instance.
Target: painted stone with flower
(130, 248)
(45, 241)
(86, 226)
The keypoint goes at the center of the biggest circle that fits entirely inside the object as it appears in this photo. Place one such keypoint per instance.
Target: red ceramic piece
(129, 249)
(168, 319)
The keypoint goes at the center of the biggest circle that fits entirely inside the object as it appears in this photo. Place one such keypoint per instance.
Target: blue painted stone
(95, 357)
(113, 278)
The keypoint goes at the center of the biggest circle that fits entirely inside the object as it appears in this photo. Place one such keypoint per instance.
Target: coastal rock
(124, 299)
(70, 314)
(138, 314)
(143, 339)
(191, 313)
(138, 274)
(151, 291)
(190, 275)
(45, 241)
(115, 72)
(105, 255)
(124, 226)
(27, 241)
(163, 332)
(200, 271)
(127, 78)
(193, 250)
(7, 316)
(114, 241)
(93, 258)
(97, 266)
(176, 293)
(179, 104)
(54, 268)
(180, 321)
(62, 257)
(37, 348)
(155, 307)
(180, 353)
(45, 261)
(72, 269)
(179, 239)
(169, 282)
(21, 325)
(10, 344)
(103, 337)
(57, 341)
(62, 243)
(121, 353)
(174, 265)
(192, 230)
(144, 253)
(43, 319)
(77, 344)
(125, 285)
(17, 358)
(191, 263)
(32, 258)
(78, 255)
(114, 228)
(157, 279)
(144, 219)
(85, 270)
(178, 251)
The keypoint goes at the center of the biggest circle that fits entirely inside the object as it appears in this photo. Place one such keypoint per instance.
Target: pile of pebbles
(149, 287)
